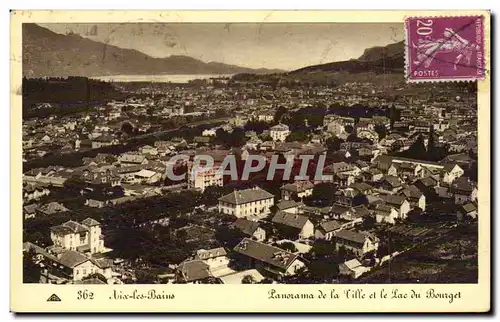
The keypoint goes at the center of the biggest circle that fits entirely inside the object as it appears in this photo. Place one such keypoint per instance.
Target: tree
(127, 128)
(229, 236)
(98, 276)
(333, 144)
(417, 150)
(266, 280)
(279, 114)
(145, 277)
(181, 234)
(369, 222)
(300, 136)
(323, 270)
(381, 131)
(256, 126)
(248, 279)
(31, 271)
(415, 215)
(323, 248)
(289, 246)
(323, 195)
(73, 186)
(349, 129)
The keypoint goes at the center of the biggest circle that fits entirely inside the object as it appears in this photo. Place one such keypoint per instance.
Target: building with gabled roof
(191, 271)
(250, 228)
(327, 229)
(84, 237)
(300, 189)
(352, 268)
(304, 227)
(253, 202)
(273, 259)
(359, 243)
(399, 202)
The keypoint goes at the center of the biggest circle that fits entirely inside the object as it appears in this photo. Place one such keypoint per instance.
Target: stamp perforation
(466, 46)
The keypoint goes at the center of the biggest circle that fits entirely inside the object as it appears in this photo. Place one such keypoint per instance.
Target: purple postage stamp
(444, 48)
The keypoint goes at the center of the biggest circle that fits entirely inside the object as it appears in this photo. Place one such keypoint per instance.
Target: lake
(156, 78)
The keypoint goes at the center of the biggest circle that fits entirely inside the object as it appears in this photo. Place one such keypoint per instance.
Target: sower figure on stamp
(427, 49)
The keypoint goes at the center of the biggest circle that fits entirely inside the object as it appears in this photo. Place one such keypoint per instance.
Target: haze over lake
(157, 78)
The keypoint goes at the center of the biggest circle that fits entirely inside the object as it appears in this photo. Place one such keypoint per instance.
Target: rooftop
(245, 196)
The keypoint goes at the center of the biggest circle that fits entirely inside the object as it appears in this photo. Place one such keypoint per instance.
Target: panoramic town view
(242, 154)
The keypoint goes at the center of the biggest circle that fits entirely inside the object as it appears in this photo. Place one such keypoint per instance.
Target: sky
(287, 46)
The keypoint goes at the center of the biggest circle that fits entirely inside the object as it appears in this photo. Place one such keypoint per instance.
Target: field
(450, 259)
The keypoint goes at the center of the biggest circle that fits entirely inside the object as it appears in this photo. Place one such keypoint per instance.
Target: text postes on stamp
(444, 48)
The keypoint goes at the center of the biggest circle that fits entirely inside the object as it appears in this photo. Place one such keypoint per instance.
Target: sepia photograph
(108, 107)
(330, 153)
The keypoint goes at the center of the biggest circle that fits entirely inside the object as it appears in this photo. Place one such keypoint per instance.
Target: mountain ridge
(49, 54)
(379, 59)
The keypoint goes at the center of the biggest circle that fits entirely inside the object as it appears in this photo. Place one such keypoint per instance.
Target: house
(427, 185)
(209, 132)
(385, 213)
(34, 192)
(407, 169)
(349, 215)
(398, 202)
(279, 132)
(352, 268)
(62, 265)
(464, 192)
(290, 206)
(202, 140)
(192, 271)
(273, 259)
(414, 196)
(215, 258)
(298, 189)
(29, 211)
(204, 178)
(327, 229)
(368, 134)
(373, 174)
(452, 171)
(301, 223)
(245, 203)
(82, 237)
(104, 140)
(250, 228)
(390, 183)
(238, 277)
(147, 176)
(467, 210)
(129, 159)
(96, 202)
(148, 149)
(360, 243)
(51, 208)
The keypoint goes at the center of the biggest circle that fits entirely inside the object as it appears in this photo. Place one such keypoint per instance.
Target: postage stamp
(444, 48)
(163, 161)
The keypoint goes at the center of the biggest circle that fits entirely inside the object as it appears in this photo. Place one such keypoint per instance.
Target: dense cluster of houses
(370, 182)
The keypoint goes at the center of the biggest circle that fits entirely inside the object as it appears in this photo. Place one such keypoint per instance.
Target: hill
(49, 54)
(387, 59)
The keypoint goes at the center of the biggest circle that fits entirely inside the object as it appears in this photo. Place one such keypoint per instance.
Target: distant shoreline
(165, 78)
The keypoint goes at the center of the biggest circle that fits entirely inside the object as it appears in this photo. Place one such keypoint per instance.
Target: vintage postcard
(250, 161)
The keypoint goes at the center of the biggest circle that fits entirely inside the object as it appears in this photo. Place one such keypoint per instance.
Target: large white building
(83, 237)
(279, 132)
(202, 179)
(253, 202)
